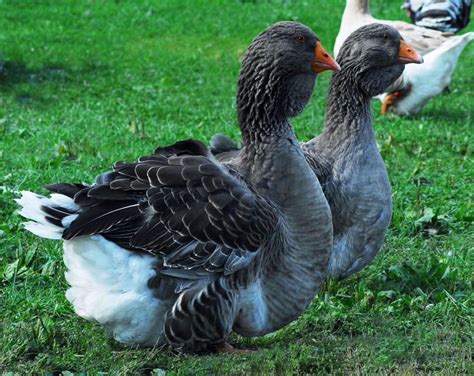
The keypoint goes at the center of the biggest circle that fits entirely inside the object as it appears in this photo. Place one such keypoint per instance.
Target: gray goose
(345, 156)
(357, 185)
(177, 248)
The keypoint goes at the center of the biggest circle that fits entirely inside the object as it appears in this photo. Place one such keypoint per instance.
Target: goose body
(344, 156)
(177, 248)
(356, 186)
(423, 82)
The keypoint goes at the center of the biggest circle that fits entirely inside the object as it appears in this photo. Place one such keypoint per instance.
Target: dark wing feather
(200, 216)
(194, 197)
(186, 147)
(106, 216)
(115, 205)
(66, 189)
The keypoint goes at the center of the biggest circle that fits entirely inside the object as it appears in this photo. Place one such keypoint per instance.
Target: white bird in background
(418, 83)
(357, 14)
(425, 81)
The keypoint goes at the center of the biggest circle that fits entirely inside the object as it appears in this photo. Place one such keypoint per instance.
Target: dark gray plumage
(358, 189)
(241, 246)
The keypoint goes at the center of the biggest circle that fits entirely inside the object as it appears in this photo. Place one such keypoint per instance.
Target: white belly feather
(109, 285)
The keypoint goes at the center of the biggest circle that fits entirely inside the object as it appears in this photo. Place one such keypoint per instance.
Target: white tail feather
(48, 231)
(64, 201)
(31, 208)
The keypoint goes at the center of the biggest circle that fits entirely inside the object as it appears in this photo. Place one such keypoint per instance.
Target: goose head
(375, 56)
(278, 73)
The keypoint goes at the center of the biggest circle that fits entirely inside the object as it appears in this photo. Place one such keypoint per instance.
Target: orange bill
(407, 54)
(322, 60)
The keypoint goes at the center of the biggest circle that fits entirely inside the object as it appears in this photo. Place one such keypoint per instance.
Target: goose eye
(300, 38)
(385, 36)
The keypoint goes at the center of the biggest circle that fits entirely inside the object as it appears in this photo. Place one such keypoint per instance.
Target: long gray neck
(273, 161)
(347, 119)
(272, 157)
(260, 113)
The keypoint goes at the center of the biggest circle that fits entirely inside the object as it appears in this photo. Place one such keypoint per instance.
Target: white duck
(422, 82)
(357, 14)
(418, 84)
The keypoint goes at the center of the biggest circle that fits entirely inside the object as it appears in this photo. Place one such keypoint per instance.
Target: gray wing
(197, 199)
(205, 214)
(198, 215)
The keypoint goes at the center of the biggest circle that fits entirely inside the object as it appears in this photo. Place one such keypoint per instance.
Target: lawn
(87, 83)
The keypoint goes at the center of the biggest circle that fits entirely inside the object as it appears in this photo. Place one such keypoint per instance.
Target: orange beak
(322, 60)
(407, 54)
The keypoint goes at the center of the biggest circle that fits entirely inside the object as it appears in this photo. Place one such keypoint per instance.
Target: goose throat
(348, 110)
(266, 99)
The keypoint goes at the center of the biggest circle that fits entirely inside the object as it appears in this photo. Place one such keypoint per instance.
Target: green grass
(91, 82)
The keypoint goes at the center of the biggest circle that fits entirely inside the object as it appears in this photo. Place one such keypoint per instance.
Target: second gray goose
(345, 156)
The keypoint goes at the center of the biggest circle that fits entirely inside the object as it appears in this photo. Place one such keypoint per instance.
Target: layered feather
(160, 234)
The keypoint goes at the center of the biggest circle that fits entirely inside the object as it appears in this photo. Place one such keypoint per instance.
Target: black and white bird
(178, 248)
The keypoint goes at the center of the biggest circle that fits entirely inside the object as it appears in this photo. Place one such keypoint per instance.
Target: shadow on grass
(15, 73)
(435, 115)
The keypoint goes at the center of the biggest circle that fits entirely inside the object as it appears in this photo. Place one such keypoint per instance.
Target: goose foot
(226, 347)
(393, 97)
(389, 100)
